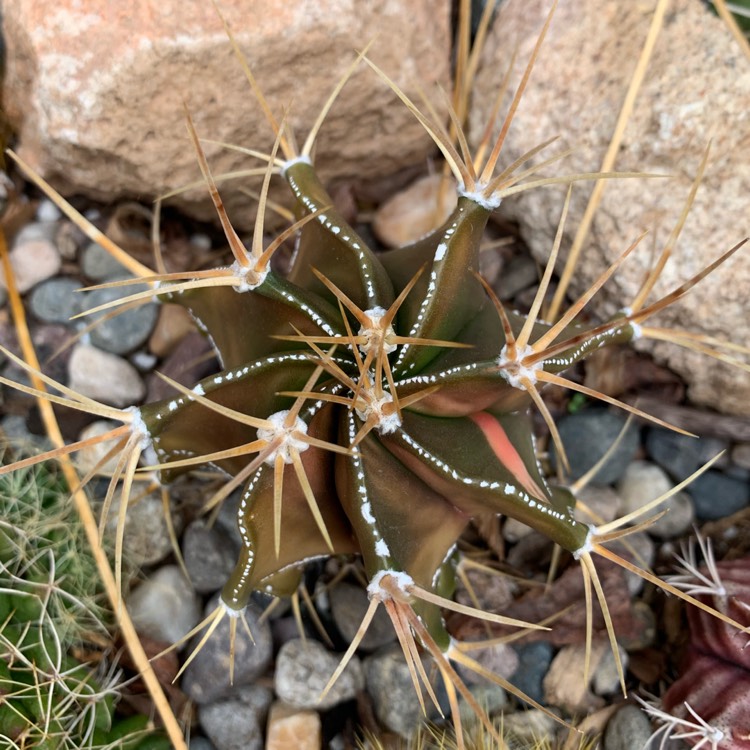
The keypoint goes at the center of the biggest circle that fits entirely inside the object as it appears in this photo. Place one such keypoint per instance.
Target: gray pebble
(209, 556)
(200, 743)
(628, 729)
(588, 435)
(606, 678)
(640, 549)
(236, 723)
(69, 239)
(303, 669)
(97, 264)
(124, 332)
(491, 698)
(47, 211)
(207, 677)
(644, 482)
(104, 377)
(741, 455)
(716, 495)
(601, 500)
(227, 520)
(348, 606)
(391, 688)
(56, 300)
(680, 455)
(164, 606)
(146, 539)
(534, 660)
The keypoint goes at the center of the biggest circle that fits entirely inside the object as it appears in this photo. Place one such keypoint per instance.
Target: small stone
(98, 264)
(415, 211)
(292, 729)
(56, 300)
(490, 591)
(143, 361)
(165, 606)
(741, 455)
(588, 435)
(716, 495)
(91, 455)
(514, 531)
(69, 240)
(606, 680)
(146, 540)
(35, 230)
(207, 677)
(200, 743)
(643, 482)
(47, 211)
(348, 606)
(303, 669)
(640, 549)
(500, 659)
(104, 377)
(564, 685)
(390, 686)
(209, 556)
(534, 662)
(32, 261)
(172, 325)
(530, 725)
(236, 723)
(490, 697)
(629, 728)
(681, 455)
(227, 518)
(126, 331)
(603, 501)
(518, 274)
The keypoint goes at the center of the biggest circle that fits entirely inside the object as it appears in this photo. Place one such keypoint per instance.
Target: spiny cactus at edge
(51, 602)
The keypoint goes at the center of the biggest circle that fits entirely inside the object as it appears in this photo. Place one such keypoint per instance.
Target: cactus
(50, 599)
(708, 703)
(373, 404)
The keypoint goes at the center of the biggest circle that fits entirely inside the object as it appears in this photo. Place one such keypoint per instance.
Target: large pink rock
(697, 88)
(96, 88)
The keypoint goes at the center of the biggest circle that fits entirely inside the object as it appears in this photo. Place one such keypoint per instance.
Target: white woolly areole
(588, 546)
(242, 272)
(374, 333)
(489, 202)
(387, 423)
(277, 430)
(403, 582)
(138, 427)
(304, 159)
(636, 332)
(233, 613)
(512, 369)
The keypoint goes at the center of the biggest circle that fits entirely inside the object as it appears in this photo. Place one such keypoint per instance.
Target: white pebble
(104, 377)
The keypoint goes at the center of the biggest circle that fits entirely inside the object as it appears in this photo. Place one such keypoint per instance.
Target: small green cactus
(50, 598)
(373, 404)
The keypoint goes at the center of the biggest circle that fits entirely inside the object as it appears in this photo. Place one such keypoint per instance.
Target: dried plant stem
(609, 157)
(86, 515)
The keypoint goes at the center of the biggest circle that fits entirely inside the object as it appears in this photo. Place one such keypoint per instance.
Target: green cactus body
(397, 359)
